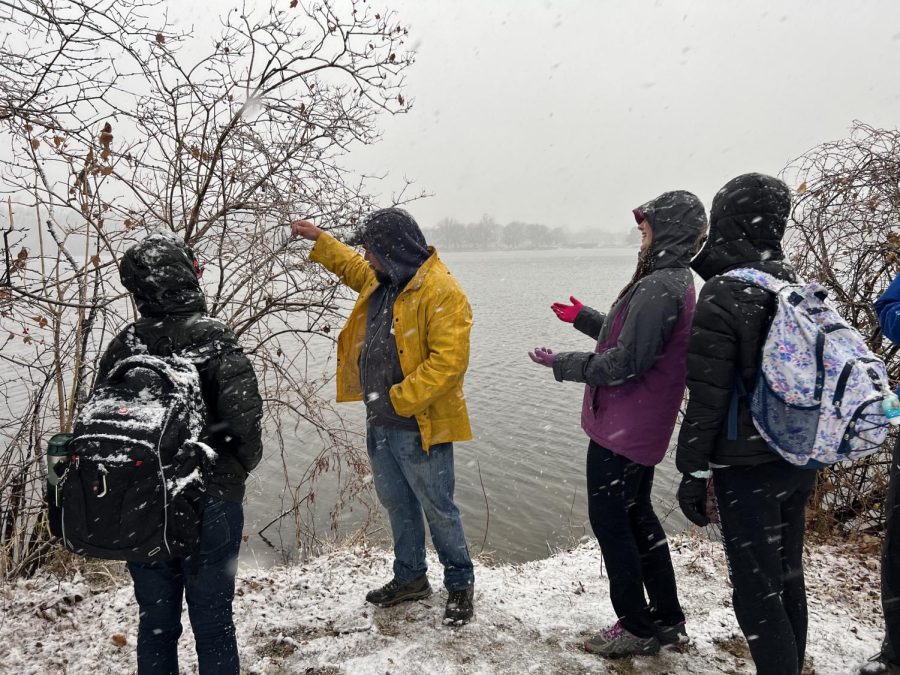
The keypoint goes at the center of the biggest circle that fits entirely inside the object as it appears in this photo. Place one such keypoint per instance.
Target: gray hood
(677, 219)
(395, 238)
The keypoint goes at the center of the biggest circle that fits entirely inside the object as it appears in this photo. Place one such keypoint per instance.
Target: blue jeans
(408, 481)
(160, 586)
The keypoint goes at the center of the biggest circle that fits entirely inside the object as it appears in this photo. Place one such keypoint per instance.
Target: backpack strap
(759, 278)
(737, 393)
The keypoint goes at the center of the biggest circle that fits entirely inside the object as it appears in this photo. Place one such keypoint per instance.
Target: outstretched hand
(566, 312)
(543, 355)
(305, 229)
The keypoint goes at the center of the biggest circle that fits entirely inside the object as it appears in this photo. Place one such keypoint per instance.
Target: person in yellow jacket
(404, 351)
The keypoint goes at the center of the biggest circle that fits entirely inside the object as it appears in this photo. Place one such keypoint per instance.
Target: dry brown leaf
(119, 640)
(160, 38)
(802, 188)
(106, 136)
(35, 143)
(105, 170)
(96, 260)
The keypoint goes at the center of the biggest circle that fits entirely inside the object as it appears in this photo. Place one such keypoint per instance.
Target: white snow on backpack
(818, 396)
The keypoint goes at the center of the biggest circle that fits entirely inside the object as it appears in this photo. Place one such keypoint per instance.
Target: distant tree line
(451, 234)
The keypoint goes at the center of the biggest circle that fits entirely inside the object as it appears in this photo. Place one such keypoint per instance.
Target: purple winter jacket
(636, 375)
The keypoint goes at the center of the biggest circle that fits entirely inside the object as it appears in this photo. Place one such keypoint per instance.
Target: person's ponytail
(644, 267)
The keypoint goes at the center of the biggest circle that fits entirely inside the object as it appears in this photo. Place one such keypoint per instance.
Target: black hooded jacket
(747, 223)
(677, 220)
(394, 238)
(160, 273)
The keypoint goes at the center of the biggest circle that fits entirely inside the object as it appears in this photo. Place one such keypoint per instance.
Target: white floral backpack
(818, 397)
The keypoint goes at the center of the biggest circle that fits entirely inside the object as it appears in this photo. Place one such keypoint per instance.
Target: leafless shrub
(118, 125)
(844, 236)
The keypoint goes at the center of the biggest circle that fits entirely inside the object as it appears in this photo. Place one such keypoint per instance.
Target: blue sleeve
(888, 309)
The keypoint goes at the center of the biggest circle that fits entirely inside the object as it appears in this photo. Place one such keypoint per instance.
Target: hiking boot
(460, 606)
(671, 635)
(880, 664)
(615, 641)
(394, 592)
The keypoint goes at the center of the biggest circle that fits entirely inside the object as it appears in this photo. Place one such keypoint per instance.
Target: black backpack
(134, 485)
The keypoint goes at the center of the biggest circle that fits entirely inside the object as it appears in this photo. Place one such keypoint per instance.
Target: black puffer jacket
(160, 273)
(747, 222)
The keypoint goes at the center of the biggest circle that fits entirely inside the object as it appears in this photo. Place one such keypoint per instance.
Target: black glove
(692, 499)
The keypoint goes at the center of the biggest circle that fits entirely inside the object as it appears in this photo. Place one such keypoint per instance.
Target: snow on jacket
(432, 322)
(159, 272)
(635, 377)
(747, 221)
(888, 309)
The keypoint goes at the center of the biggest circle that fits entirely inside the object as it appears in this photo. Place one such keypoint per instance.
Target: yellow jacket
(432, 321)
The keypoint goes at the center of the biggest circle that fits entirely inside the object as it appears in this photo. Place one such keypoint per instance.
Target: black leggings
(762, 509)
(632, 541)
(890, 563)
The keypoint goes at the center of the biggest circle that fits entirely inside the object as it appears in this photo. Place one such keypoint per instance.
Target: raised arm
(334, 256)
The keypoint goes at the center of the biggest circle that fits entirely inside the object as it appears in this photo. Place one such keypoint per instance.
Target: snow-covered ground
(530, 618)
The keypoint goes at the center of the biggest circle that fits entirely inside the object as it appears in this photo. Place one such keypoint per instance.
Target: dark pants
(890, 564)
(160, 586)
(632, 541)
(762, 509)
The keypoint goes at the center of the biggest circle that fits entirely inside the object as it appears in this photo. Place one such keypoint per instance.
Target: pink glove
(543, 355)
(566, 312)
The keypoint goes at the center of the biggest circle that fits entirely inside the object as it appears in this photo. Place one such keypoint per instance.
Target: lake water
(528, 443)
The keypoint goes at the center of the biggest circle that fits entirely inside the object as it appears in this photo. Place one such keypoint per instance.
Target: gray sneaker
(615, 641)
(880, 664)
(394, 592)
(671, 635)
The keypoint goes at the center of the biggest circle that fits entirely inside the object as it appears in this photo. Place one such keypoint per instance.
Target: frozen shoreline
(312, 618)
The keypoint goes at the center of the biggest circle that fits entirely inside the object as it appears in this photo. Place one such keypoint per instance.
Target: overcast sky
(573, 112)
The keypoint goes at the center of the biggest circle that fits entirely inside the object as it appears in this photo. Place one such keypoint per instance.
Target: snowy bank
(531, 618)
